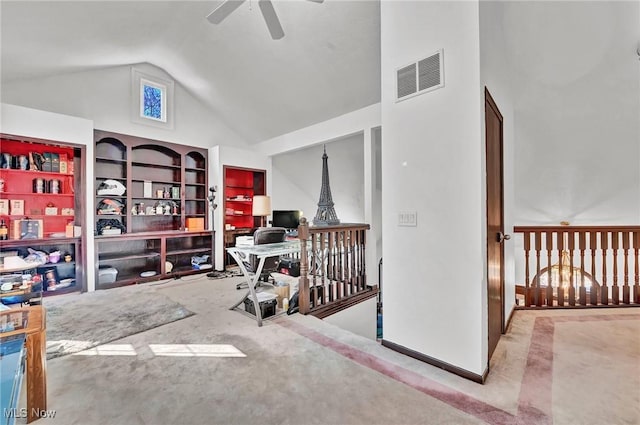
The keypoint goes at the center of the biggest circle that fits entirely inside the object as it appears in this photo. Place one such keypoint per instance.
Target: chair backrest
(264, 235)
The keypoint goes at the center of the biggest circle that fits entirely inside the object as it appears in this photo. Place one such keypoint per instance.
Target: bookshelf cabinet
(157, 221)
(40, 202)
(240, 186)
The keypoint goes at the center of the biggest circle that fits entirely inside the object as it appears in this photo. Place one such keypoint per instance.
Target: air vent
(420, 77)
(407, 81)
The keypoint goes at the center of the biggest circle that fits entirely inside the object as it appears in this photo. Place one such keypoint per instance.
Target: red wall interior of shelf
(19, 185)
(240, 184)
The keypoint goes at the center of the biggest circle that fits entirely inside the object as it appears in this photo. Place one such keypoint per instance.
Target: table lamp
(261, 208)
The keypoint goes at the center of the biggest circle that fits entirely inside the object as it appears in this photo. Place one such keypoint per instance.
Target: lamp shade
(261, 205)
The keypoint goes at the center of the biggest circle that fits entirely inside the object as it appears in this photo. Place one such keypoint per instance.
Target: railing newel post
(303, 282)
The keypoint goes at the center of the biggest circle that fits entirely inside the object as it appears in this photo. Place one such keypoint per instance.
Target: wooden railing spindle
(527, 283)
(582, 243)
(314, 259)
(593, 245)
(549, 292)
(636, 285)
(615, 291)
(604, 247)
(561, 270)
(539, 294)
(572, 288)
(625, 286)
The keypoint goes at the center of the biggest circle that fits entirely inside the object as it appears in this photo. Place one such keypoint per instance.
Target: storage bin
(195, 223)
(267, 303)
(107, 275)
(289, 266)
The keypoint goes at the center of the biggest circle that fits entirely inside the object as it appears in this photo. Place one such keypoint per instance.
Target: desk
(263, 251)
(34, 336)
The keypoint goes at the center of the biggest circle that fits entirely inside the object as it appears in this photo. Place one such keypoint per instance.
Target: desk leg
(36, 374)
(252, 281)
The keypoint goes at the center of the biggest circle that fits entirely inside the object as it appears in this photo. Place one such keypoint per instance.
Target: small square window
(151, 100)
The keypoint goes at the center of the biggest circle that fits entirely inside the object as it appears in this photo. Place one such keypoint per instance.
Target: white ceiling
(327, 64)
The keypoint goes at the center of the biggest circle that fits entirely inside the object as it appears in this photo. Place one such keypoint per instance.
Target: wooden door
(495, 224)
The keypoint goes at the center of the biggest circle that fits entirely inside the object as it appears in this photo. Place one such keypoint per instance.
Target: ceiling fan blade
(223, 10)
(270, 17)
(317, 1)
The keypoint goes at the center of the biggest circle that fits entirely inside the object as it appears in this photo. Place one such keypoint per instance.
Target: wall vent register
(420, 77)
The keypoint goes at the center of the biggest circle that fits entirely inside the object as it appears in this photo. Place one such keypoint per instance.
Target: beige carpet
(565, 367)
(77, 321)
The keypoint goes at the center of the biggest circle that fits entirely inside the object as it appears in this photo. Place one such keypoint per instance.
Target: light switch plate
(408, 218)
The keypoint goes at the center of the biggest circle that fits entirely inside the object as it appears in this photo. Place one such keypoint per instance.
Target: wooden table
(36, 367)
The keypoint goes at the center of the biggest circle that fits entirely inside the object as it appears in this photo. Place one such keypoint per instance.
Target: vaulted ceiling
(327, 64)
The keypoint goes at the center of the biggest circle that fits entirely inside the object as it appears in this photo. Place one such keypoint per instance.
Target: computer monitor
(289, 219)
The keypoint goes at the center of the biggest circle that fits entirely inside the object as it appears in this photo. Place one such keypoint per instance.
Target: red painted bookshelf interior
(241, 185)
(21, 185)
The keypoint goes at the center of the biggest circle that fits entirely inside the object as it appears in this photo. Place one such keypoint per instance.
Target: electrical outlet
(408, 218)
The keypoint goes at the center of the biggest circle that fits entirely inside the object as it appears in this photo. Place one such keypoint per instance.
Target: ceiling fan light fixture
(271, 19)
(266, 7)
(224, 10)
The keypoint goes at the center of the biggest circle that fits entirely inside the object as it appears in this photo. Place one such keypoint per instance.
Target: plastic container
(107, 275)
(268, 303)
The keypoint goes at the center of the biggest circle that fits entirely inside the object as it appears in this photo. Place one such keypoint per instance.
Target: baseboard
(508, 323)
(438, 363)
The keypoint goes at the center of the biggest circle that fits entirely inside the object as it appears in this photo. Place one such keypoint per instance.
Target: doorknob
(503, 237)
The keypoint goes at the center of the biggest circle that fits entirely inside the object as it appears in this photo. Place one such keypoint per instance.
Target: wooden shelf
(188, 251)
(15, 217)
(124, 179)
(151, 165)
(125, 257)
(55, 195)
(147, 238)
(19, 185)
(34, 172)
(113, 160)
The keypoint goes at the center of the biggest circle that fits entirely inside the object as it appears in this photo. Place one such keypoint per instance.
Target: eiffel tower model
(325, 215)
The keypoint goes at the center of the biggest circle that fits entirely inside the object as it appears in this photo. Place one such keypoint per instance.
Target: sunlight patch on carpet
(76, 322)
(196, 350)
(109, 350)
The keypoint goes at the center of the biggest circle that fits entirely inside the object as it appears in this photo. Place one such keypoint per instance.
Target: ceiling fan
(266, 7)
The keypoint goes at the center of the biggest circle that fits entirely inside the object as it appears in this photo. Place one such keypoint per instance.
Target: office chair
(264, 235)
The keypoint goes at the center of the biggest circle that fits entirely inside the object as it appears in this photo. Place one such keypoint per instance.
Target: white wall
(28, 122)
(577, 111)
(495, 75)
(104, 96)
(219, 156)
(361, 319)
(434, 274)
(297, 178)
(324, 132)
